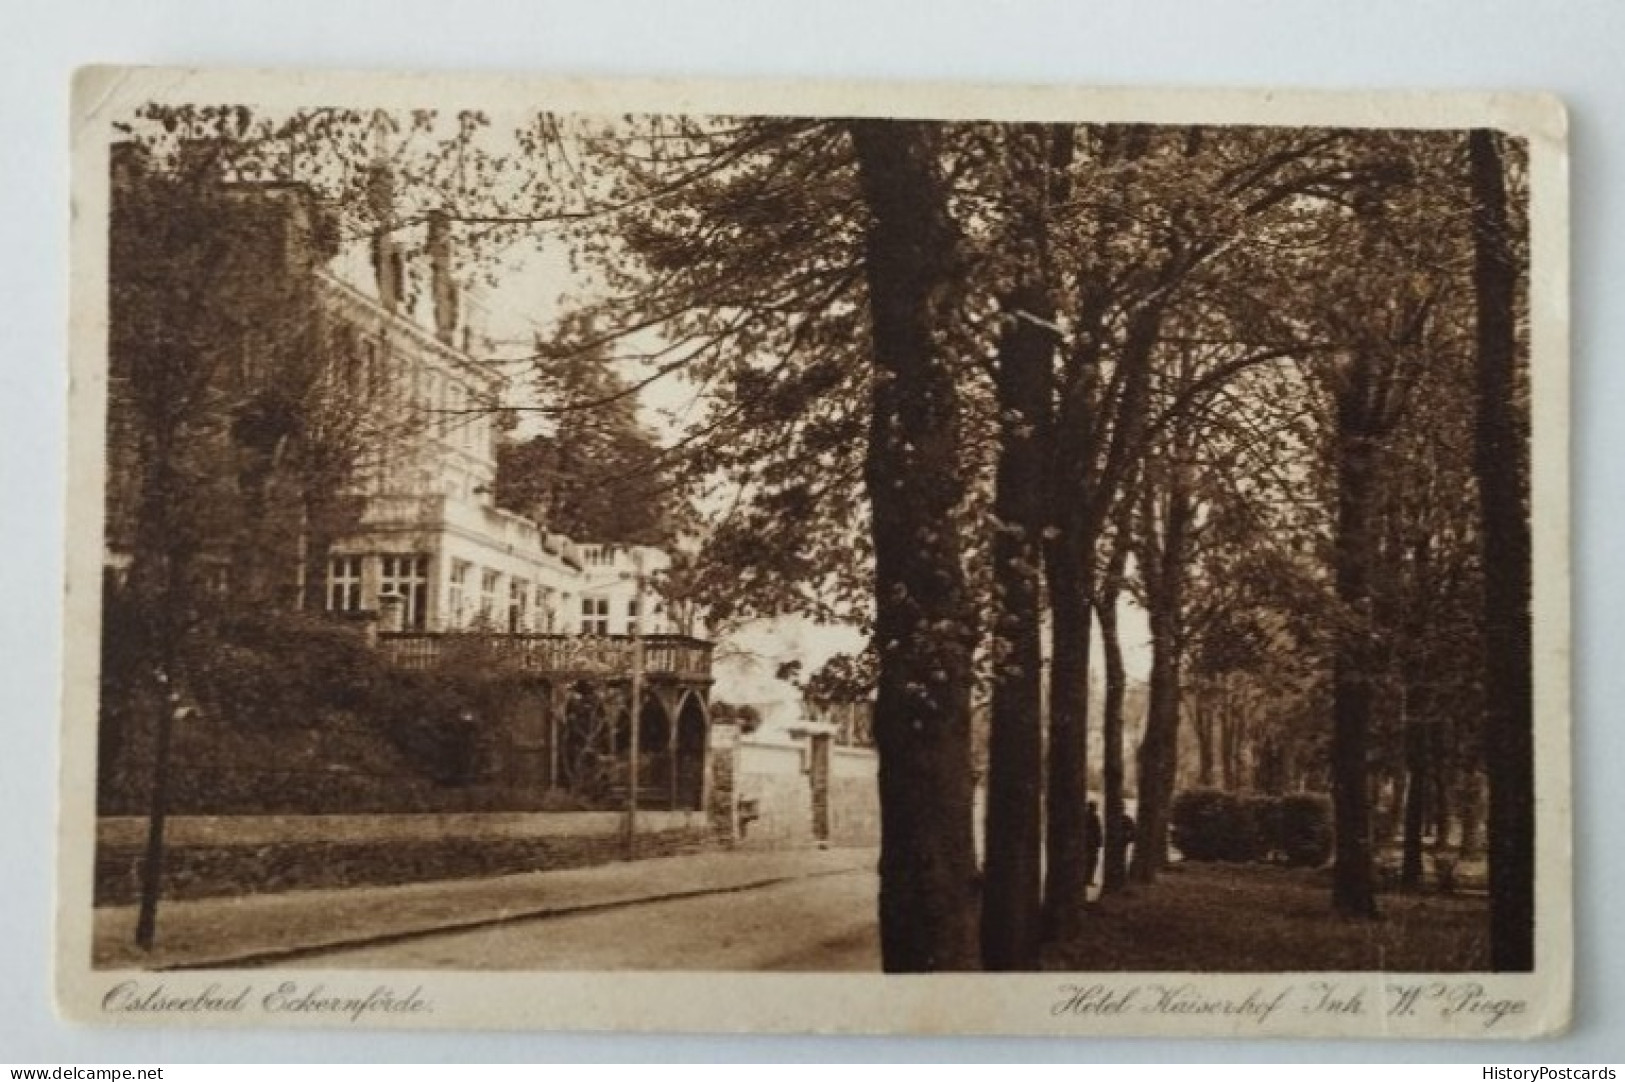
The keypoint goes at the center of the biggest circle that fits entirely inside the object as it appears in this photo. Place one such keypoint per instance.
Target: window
(488, 598)
(544, 608)
(344, 584)
(407, 577)
(595, 616)
(518, 605)
(457, 594)
(632, 615)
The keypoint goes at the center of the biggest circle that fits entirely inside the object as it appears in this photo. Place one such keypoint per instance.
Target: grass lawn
(1226, 918)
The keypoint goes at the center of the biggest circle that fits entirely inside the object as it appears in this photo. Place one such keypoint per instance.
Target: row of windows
(404, 577)
(510, 609)
(458, 414)
(595, 615)
(407, 577)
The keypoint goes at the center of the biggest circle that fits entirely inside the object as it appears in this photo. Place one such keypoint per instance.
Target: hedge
(1215, 825)
(301, 714)
(1305, 829)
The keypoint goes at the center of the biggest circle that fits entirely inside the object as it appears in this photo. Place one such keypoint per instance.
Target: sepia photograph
(816, 558)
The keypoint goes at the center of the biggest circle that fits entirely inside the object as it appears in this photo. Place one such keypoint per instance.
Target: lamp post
(633, 748)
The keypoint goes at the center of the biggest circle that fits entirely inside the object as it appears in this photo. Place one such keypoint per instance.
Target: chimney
(442, 282)
(388, 265)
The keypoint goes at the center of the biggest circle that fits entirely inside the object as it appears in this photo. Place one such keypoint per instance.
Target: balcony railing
(434, 511)
(575, 656)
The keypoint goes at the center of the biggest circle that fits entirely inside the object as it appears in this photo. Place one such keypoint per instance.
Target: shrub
(281, 671)
(299, 714)
(1305, 829)
(1211, 824)
(1258, 832)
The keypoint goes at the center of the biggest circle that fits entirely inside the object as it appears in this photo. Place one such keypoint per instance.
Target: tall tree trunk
(923, 627)
(1087, 488)
(1236, 742)
(1353, 887)
(1501, 462)
(1070, 565)
(1420, 721)
(1114, 873)
(1012, 876)
(1165, 598)
(1202, 717)
(1157, 760)
(1417, 800)
(1468, 805)
(1442, 786)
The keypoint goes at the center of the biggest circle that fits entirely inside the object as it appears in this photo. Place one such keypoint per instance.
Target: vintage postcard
(816, 558)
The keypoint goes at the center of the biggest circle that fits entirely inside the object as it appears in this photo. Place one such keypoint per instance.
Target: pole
(152, 863)
(637, 708)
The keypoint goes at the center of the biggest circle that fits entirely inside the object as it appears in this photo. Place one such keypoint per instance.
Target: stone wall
(234, 855)
(854, 797)
(724, 789)
(763, 789)
(761, 797)
(775, 798)
(235, 830)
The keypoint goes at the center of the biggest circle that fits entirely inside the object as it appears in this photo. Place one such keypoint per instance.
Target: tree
(932, 323)
(1113, 578)
(1204, 486)
(240, 414)
(597, 474)
(1501, 463)
(1038, 158)
(211, 366)
(1427, 599)
(844, 678)
(1167, 214)
(924, 630)
(731, 249)
(1166, 525)
(1389, 338)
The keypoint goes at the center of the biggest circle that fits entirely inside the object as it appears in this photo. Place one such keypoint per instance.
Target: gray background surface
(1571, 48)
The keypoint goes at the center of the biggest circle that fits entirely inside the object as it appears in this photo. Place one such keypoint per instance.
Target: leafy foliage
(1210, 824)
(597, 474)
(844, 678)
(287, 713)
(1305, 825)
(1219, 825)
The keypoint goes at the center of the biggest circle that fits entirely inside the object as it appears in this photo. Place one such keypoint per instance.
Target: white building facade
(432, 551)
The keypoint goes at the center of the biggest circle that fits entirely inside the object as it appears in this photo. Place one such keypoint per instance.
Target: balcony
(673, 657)
(435, 512)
